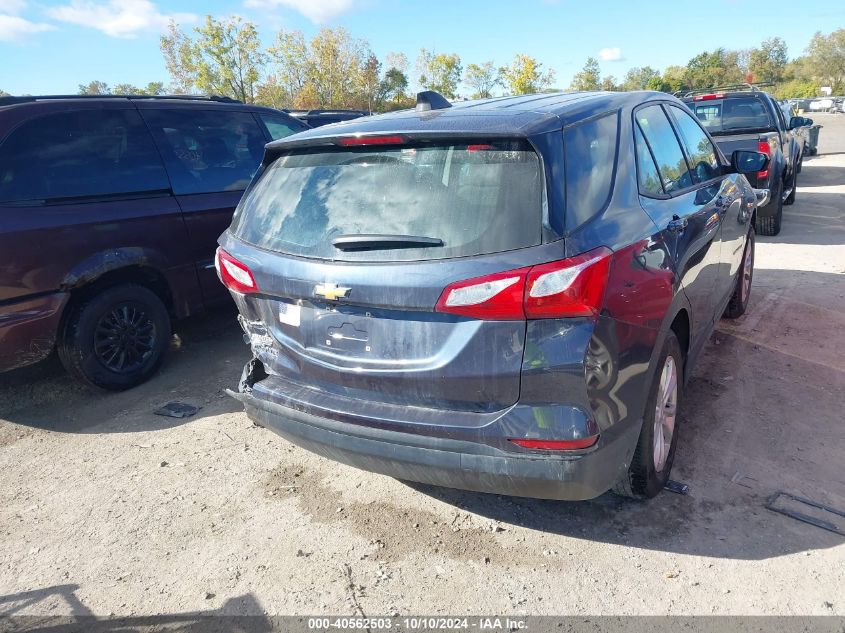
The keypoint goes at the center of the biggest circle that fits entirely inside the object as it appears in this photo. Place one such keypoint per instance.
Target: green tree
(589, 78)
(94, 88)
(715, 68)
(369, 83)
(482, 79)
(639, 78)
(524, 75)
(609, 84)
(153, 88)
(826, 55)
(3, 93)
(224, 58)
(338, 63)
(290, 54)
(672, 80)
(797, 89)
(439, 72)
(767, 63)
(177, 49)
(393, 86)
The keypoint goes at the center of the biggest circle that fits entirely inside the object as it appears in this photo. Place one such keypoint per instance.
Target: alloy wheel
(665, 411)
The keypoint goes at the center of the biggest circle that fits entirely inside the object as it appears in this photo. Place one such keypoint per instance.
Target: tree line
(336, 70)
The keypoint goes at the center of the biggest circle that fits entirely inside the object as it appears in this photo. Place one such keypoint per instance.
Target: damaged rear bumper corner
(442, 461)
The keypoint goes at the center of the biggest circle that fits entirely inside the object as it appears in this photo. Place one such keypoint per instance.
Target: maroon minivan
(111, 208)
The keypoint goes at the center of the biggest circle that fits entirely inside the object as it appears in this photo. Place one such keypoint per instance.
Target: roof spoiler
(431, 100)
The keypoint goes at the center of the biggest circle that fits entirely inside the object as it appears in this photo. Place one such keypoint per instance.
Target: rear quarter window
(590, 163)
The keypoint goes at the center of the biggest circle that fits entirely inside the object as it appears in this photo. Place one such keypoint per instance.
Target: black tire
(126, 319)
(770, 224)
(790, 199)
(739, 299)
(643, 480)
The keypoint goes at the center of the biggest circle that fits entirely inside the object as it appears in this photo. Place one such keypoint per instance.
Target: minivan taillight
(234, 274)
(572, 287)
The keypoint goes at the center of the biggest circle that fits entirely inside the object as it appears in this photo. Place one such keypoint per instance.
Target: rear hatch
(352, 246)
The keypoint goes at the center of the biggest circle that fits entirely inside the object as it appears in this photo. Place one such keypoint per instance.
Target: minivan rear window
(732, 115)
(475, 197)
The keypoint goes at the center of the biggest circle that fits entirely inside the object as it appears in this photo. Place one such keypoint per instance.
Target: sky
(52, 46)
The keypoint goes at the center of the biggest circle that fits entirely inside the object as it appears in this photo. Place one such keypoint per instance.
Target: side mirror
(795, 122)
(748, 162)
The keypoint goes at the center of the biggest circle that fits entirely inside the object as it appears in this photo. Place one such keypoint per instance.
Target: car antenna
(431, 100)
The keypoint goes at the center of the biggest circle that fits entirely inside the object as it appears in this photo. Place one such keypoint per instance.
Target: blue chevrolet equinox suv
(504, 295)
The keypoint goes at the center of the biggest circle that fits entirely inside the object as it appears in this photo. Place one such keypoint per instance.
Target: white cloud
(317, 11)
(610, 54)
(12, 7)
(14, 28)
(117, 18)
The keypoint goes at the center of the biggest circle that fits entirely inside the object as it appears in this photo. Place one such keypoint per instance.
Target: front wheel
(655, 451)
(742, 291)
(115, 339)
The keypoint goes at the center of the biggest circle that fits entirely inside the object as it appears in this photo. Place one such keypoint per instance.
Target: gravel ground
(109, 509)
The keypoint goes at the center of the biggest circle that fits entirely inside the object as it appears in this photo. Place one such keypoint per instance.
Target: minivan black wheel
(115, 339)
(742, 291)
(655, 452)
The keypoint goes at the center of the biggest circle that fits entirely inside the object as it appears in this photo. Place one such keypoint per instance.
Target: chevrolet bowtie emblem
(332, 292)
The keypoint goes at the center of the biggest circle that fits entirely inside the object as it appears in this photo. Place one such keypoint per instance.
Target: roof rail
(431, 100)
(743, 87)
(29, 98)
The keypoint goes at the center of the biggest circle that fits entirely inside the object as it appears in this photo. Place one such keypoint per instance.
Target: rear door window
(590, 157)
(673, 168)
(477, 197)
(80, 154)
(207, 152)
(700, 151)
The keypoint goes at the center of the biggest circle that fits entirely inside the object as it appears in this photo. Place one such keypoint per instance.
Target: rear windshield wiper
(376, 242)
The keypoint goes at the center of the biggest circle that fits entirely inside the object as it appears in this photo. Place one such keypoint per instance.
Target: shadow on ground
(239, 615)
(206, 356)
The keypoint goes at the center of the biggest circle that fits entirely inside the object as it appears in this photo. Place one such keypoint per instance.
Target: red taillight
(572, 287)
(234, 275)
(764, 148)
(558, 445)
(569, 288)
(496, 297)
(708, 97)
(352, 141)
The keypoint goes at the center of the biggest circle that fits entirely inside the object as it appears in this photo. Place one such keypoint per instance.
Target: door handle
(677, 225)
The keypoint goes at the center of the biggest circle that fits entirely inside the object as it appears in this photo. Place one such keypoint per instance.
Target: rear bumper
(28, 329)
(450, 462)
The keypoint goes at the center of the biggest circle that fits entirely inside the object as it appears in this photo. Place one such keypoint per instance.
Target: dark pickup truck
(750, 119)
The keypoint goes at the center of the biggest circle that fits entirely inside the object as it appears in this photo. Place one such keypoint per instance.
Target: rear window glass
(734, 114)
(478, 197)
(590, 154)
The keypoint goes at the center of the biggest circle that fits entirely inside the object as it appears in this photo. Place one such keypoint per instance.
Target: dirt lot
(106, 508)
